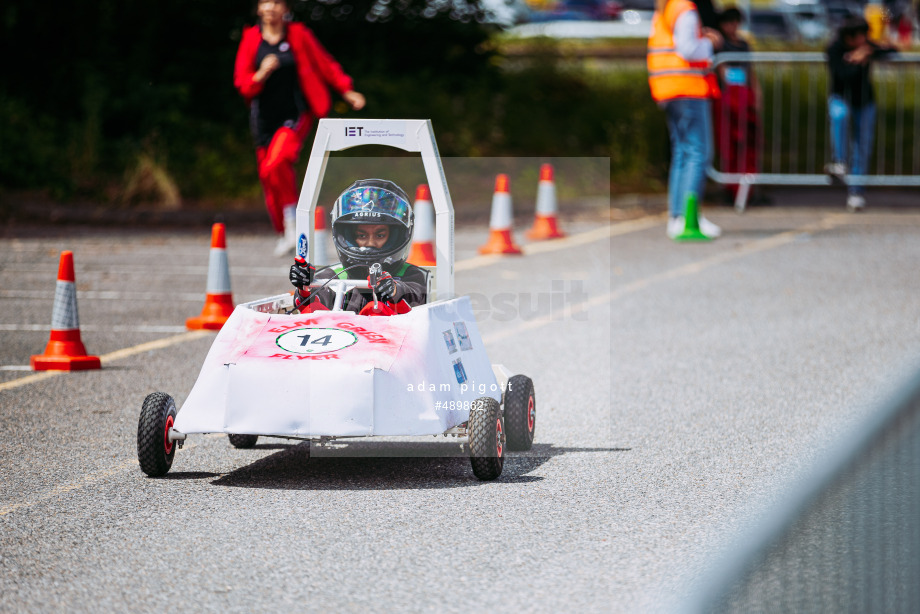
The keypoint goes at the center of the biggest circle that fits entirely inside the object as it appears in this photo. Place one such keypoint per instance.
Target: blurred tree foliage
(94, 93)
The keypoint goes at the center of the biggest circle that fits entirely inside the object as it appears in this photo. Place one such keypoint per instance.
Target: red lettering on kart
(371, 336)
(281, 329)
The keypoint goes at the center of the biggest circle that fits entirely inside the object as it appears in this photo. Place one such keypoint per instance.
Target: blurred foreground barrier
(780, 133)
(849, 541)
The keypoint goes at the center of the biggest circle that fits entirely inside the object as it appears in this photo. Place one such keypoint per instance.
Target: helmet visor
(370, 201)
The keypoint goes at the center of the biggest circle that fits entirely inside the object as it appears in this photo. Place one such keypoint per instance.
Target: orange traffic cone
(218, 302)
(500, 240)
(545, 224)
(65, 350)
(321, 236)
(422, 253)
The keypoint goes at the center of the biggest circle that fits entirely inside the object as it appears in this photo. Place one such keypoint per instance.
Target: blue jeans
(690, 126)
(858, 122)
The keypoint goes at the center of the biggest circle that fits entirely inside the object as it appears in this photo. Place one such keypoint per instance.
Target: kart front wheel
(243, 441)
(486, 429)
(155, 451)
(520, 413)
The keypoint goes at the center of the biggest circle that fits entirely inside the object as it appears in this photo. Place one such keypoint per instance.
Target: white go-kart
(333, 374)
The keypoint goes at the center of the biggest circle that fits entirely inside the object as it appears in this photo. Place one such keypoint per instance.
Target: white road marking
(108, 295)
(119, 295)
(140, 328)
(597, 234)
(159, 271)
(681, 271)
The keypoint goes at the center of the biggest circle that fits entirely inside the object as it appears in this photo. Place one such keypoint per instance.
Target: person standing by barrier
(679, 60)
(851, 105)
(285, 75)
(736, 112)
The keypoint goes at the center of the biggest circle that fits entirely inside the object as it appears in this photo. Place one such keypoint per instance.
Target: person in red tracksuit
(285, 76)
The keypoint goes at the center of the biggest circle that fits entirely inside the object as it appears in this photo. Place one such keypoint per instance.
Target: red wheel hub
(531, 413)
(499, 437)
(166, 442)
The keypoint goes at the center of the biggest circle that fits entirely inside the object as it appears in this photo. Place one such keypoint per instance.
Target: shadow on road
(384, 466)
(189, 475)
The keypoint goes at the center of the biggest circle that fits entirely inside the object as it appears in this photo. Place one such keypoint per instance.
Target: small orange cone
(500, 240)
(545, 224)
(65, 350)
(422, 253)
(321, 236)
(218, 302)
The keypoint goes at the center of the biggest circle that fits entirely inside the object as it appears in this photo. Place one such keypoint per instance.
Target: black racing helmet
(372, 201)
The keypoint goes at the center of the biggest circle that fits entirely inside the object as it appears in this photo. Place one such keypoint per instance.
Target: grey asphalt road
(682, 390)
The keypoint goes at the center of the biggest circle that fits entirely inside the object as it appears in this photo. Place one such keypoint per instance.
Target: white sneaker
(709, 229)
(837, 171)
(856, 202)
(288, 241)
(285, 246)
(675, 226)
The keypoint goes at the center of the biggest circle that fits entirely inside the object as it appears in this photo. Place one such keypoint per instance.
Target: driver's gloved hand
(301, 274)
(386, 288)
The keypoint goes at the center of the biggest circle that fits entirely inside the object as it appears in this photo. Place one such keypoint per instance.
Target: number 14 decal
(323, 341)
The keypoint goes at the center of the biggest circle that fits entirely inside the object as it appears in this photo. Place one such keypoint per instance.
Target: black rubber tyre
(486, 429)
(243, 441)
(520, 413)
(154, 450)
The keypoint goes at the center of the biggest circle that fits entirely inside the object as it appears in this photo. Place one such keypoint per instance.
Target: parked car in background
(811, 20)
(772, 24)
(578, 10)
(506, 13)
(839, 11)
(639, 5)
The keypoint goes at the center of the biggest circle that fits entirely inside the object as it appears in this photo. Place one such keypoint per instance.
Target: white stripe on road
(146, 271)
(682, 271)
(117, 295)
(597, 234)
(140, 328)
(109, 295)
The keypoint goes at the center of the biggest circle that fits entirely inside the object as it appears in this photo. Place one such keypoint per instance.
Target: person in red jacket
(285, 76)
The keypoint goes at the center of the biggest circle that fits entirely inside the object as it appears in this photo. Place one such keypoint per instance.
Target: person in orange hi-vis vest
(679, 61)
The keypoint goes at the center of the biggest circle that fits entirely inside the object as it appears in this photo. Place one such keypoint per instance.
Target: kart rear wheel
(243, 441)
(155, 451)
(520, 413)
(486, 429)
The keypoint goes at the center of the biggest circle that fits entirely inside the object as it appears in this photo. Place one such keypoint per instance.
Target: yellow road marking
(685, 270)
(597, 234)
(681, 271)
(92, 478)
(111, 357)
(582, 238)
(157, 344)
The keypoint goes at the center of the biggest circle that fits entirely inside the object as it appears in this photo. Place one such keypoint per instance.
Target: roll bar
(414, 135)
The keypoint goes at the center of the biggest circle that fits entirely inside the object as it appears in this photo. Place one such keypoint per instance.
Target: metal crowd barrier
(847, 541)
(787, 140)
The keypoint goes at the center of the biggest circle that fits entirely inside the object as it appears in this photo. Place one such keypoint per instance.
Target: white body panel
(263, 375)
